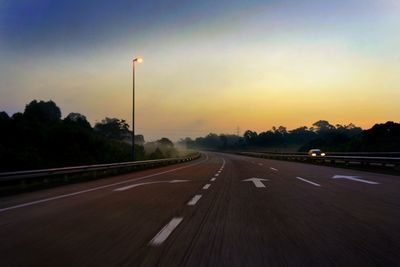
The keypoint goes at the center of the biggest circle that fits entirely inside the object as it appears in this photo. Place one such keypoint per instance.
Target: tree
(113, 128)
(250, 137)
(78, 119)
(281, 130)
(224, 141)
(46, 113)
(38, 138)
(187, 142)
(4, 125)
(348, 130)
(4, 117)
(323, 126)
(139, 139)
(157, 154)
(139, 152)
(382, 137)
(165, 142)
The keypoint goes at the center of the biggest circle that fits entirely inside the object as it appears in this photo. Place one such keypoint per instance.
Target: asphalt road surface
(202, 213)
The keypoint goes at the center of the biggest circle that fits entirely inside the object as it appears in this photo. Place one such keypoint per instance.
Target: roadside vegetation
(39, 138)
(384, 137)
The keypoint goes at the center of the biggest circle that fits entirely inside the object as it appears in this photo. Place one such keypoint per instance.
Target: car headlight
(323, 154)
(313, 154)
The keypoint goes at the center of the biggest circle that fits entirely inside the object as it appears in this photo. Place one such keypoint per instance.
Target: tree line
(384, 137)
(39, 138)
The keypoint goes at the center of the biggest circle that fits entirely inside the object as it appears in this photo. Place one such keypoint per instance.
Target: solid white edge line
(194, 200)
(307, 181)
(206, 186)
(166, 231)
(97, 188)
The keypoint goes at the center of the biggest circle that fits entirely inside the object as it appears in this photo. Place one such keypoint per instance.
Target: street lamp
(135, 60)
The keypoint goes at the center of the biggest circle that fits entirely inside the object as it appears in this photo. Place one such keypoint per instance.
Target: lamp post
(135, 60)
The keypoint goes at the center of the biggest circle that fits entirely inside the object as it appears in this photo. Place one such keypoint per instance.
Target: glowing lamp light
(138, 60)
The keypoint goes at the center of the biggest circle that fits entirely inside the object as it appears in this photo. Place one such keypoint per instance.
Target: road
(219, 210)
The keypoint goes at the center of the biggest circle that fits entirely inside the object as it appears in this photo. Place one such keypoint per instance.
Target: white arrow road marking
(194, 200)
(206, 186)
(155, 182)
(213, 179)
(273, 169)
(166, 231)
(178, 181)
(353, 178)
(257, 181)
(44, 200)
(307, 181)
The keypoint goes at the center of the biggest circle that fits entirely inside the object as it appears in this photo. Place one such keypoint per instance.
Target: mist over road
(219, 210)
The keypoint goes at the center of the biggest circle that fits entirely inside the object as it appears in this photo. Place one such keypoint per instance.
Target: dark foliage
(157, 154)
(39, 138)
(380, 138)
(113, 128)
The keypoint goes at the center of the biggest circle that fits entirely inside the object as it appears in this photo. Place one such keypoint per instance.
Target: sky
(209, 66)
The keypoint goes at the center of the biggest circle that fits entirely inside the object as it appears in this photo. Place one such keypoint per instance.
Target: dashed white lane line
(273, 169)
(97, 188)
(206, 186)
(213, 179)
(217, 174)
(307, 181)
(170, 227)
(166, 231)
(194, 200)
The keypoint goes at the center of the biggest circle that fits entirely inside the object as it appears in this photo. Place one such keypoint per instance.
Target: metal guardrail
(26, 175)
(382, 161)
(360, 154)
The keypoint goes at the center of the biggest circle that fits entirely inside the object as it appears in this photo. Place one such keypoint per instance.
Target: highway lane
(101, 227)
(211, 217)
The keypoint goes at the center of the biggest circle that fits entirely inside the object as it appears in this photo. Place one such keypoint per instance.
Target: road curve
(219, 210)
